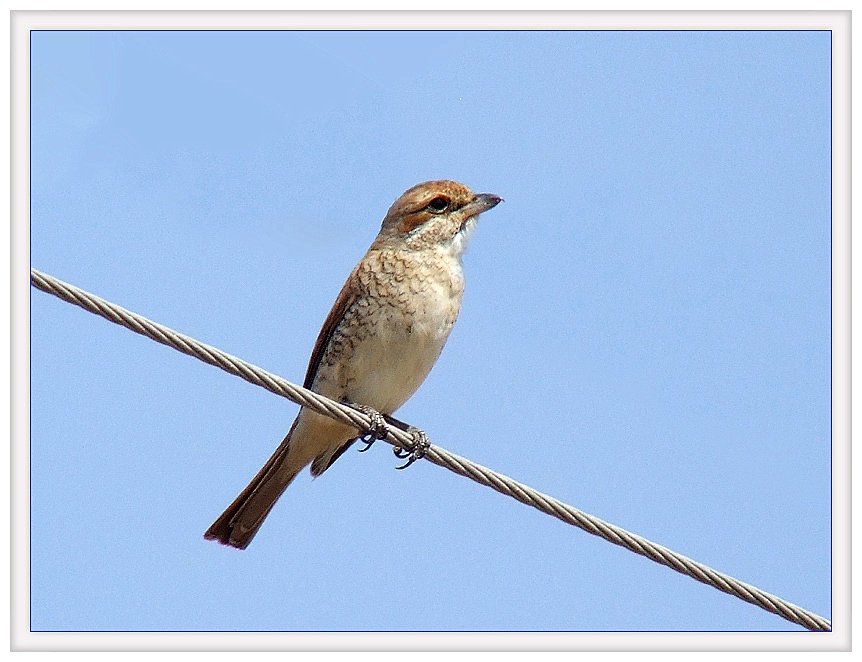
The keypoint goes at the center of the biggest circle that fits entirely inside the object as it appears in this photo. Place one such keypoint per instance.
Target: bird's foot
(377, 428)
(417, 452)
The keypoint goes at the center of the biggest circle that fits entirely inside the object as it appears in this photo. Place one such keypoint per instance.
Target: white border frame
(838, 22)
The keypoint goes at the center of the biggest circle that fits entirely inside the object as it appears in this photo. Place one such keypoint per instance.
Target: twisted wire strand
(434, 454)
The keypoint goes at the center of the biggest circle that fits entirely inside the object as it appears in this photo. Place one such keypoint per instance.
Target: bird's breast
(395, 330)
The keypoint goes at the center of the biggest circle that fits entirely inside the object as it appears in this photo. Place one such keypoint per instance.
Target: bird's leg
(377, 428)
(420, 442)
(417, 452)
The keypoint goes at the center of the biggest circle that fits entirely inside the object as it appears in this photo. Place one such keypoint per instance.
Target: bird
(380, 340)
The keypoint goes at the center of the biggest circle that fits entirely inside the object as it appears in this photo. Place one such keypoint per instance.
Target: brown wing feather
(346, 297)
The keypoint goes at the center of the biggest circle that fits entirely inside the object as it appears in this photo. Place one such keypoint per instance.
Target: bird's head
(440, 212)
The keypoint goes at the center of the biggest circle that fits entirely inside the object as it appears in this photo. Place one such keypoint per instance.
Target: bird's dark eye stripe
(438, 204)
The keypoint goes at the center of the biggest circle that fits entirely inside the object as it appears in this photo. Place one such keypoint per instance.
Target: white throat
(459, 242)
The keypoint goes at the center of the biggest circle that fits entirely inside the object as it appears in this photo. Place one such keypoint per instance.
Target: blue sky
(645, 333)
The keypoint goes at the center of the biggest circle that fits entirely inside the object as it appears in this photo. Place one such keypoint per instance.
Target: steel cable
(435, 454)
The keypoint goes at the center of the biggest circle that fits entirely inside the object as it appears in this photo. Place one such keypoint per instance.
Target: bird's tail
(239, 523)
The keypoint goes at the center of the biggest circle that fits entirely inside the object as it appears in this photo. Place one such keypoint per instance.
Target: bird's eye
(438, 204)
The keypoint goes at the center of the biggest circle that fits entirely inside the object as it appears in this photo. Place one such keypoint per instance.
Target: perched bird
(379, 341)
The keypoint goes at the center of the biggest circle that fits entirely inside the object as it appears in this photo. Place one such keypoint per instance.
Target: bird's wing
(346, 298)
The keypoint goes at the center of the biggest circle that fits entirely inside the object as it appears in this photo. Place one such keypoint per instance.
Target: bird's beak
(482, 202)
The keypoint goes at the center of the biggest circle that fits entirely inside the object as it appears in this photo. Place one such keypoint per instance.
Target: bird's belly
(390, 365)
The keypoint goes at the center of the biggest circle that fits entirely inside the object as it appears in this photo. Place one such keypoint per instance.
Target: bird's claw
(417, 452)
(377, 428)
